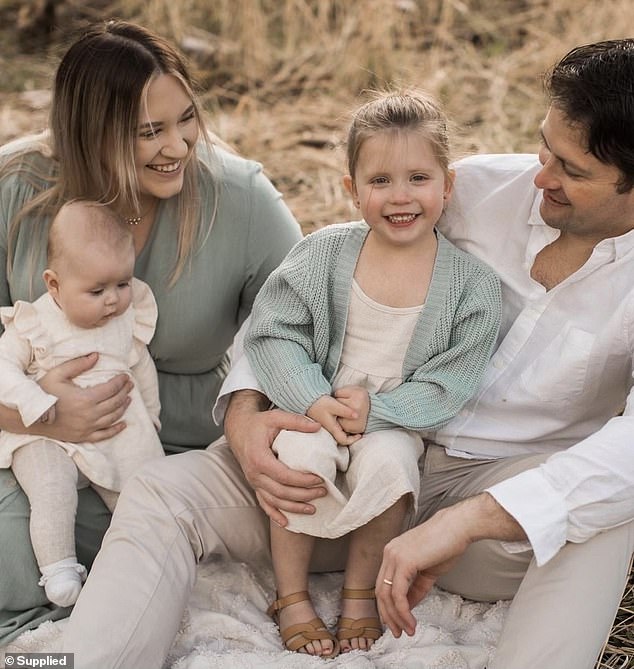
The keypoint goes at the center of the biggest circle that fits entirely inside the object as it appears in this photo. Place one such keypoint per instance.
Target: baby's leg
(291, 553)
(109, 497)
(48, 477)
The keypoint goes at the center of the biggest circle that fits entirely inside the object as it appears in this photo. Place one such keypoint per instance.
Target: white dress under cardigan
(369, 477)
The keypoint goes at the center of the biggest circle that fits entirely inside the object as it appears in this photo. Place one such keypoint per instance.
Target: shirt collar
(617, 247)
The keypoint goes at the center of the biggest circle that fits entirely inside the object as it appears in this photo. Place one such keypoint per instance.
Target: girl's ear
(348, 184)
(449, 182)
(52, 281)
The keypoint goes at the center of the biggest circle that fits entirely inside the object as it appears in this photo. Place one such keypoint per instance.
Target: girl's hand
(84, 414)
(329, 412)
(357, 399)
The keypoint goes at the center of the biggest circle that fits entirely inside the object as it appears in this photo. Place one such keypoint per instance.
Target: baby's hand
(358, 399)
(327, 411)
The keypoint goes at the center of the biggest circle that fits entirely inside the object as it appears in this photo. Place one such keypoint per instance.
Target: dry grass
(279, 77)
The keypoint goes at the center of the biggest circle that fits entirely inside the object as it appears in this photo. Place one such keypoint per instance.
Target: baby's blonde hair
(93, 221)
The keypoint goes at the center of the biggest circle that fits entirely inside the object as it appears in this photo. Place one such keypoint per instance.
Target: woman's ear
(348, 184)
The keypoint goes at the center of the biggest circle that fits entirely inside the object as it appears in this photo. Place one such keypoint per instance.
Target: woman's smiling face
(165, 138)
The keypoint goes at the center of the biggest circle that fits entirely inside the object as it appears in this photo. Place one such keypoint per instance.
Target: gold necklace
(135, 220)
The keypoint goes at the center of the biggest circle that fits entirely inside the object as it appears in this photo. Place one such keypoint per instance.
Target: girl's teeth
(402, 219)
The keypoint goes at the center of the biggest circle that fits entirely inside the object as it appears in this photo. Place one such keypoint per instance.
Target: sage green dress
(198, 317)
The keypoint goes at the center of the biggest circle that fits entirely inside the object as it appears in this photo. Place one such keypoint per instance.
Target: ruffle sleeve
(28, 324)
(145, 311)
(23, 334)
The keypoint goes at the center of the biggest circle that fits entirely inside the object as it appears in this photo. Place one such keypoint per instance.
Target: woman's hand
(250, 430)
(84, 414)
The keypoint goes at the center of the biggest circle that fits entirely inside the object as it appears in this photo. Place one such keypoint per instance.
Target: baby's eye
(123, 284)
(97, 292)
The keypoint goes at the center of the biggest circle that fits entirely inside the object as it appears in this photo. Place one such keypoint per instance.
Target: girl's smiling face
(399, 186)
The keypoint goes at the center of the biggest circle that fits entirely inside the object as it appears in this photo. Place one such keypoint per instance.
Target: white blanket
(226, 627)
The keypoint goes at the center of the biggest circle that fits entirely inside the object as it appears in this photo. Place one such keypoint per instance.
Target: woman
(126, 130)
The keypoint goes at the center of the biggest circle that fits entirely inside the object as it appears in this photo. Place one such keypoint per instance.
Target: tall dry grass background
(279, 78)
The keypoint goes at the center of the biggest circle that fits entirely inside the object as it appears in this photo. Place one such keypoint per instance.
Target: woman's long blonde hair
(100, 85)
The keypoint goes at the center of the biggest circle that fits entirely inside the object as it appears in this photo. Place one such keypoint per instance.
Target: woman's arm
(81, 414)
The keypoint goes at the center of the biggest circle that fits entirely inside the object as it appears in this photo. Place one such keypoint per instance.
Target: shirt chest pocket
(559, 372)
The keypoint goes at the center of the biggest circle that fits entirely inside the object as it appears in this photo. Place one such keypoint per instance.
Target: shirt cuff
(240, 377)
(538, 508)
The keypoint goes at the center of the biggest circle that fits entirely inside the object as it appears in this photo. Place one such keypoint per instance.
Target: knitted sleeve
(280, 344)
(439, 388)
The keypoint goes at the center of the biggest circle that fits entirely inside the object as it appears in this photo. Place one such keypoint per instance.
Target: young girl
(376, 329)
(92, 305)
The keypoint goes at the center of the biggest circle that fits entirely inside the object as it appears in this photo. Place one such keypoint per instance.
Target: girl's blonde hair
(100, 86)
(407, 109)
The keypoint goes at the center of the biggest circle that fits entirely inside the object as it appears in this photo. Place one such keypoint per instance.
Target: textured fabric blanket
(226, 627)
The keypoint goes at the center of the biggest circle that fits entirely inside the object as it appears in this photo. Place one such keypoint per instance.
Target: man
(528, 494)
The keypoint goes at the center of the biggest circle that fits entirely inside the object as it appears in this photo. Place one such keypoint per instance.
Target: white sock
(62, 581)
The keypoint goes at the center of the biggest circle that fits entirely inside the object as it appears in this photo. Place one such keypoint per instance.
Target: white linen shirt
(562, 370)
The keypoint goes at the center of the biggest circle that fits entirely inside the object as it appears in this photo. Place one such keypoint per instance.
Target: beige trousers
(180, 510)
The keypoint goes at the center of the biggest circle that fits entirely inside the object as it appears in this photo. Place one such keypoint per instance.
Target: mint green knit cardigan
(299, 319)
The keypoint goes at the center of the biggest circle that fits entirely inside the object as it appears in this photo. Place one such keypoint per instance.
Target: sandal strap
(300, 635)
(283, 602)
(355, 593)
(349, 628)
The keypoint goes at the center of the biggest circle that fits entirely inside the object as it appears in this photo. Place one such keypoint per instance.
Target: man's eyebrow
(566, 163)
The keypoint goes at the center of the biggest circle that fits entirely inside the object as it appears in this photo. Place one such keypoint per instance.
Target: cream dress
(38, 337)
(370, 476)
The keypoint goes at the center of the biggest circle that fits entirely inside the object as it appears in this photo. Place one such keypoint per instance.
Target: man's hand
(250, 430)
(413, 561)
(84, 414)
(328, 412)
(357, 399)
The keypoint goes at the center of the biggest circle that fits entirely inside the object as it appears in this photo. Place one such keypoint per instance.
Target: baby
(92, 304)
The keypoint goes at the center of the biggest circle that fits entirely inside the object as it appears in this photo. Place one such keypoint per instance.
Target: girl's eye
(379, 180)
(188, 117)
(419, 177)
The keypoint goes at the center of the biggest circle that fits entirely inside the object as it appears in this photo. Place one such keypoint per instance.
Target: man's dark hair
(593, 85)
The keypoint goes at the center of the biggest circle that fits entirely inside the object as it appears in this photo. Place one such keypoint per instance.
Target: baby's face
(97, 287)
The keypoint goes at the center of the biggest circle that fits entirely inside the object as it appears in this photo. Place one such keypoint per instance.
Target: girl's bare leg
(364, 559)
(291, 553)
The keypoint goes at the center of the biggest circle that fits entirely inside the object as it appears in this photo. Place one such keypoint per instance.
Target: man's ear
(52, 281)
(348, 184)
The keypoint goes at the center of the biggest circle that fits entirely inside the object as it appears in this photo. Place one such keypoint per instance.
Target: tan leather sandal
(296, 637)
(351, 628)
